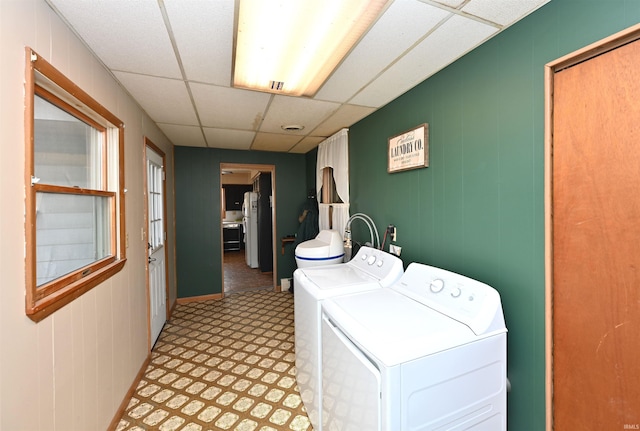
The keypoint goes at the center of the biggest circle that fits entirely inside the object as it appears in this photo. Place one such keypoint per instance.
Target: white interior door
(156, 270)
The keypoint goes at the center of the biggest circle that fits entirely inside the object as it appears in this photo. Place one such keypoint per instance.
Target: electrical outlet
(285, 284)
(395, 249)
(391, 231)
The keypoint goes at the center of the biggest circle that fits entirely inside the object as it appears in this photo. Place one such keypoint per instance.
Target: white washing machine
(369, 269)
(428, 353)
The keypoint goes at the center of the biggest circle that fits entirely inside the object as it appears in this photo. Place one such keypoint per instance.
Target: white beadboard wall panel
(18, 337)
(63, 368)
(76, 365)
(45, 374)
(60, 49)
(91, 371)
(81, 67)
(78, 383)
(105, 335)
(42, 28)
(106, 90)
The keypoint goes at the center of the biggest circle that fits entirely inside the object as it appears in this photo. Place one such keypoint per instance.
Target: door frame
(157, 150)
(607, 44)
(261, 168)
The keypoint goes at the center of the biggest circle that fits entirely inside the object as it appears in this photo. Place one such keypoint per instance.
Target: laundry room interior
(477, 204)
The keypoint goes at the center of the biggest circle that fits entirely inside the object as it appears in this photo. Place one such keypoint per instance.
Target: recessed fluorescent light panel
(292, 46)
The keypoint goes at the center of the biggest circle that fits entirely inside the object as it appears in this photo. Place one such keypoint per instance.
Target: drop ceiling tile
(307, 144)
(230, 139)
(230, 108)
(126, 35)
(399, 28)
(449, 42)
(503, 12)
(275, 142)
(186, 136)
(285, 110)
(345, 116)
(171, 105)
(451, 3)
(203, 32)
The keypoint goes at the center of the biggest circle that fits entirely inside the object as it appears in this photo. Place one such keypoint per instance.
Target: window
(332, 181)
(75, 190)
(155, 208)
(329, 193)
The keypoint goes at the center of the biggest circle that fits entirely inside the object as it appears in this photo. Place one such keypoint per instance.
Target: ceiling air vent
(277, 85)
(292, 127)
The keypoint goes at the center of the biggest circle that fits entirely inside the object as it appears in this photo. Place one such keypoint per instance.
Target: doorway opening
(248, 217)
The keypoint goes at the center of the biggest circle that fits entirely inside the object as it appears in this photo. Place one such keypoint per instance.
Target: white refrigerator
(250, 225)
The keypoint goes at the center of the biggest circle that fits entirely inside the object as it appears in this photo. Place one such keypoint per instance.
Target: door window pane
(156, 202)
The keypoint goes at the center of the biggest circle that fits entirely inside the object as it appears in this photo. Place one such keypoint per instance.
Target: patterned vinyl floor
(222, 365)
(238, 277)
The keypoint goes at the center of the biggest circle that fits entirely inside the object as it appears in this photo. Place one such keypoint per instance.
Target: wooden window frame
(45, 81)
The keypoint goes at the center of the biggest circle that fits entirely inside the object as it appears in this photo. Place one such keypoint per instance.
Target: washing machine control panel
(379, 264)
(464, 299)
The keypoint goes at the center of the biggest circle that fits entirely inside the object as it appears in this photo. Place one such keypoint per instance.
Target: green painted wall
(197, 188)
(311, 157)
(478, 208)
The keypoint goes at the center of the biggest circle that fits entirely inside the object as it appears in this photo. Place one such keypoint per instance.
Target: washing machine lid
(393, 328)
(331, 280)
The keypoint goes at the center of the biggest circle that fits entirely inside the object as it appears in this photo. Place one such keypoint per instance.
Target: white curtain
(323, 216)
(333, 152)
(340, 217)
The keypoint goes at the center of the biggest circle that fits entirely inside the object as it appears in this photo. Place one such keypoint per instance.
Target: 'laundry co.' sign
(409, 150)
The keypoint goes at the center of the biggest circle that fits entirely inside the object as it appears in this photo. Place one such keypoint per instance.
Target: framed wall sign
(409, 150)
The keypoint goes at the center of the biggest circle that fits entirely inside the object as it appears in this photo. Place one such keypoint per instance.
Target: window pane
(156, 202)
(72, 231)
(67, 151)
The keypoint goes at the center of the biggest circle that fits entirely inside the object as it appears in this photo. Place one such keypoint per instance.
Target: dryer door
(350, 384)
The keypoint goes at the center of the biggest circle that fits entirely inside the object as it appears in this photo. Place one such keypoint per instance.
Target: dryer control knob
(456, 292)
(380, 263)
(371, 260)
(436, 285)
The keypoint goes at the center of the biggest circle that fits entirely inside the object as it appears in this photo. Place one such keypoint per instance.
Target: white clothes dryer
(369, 269)
(428, 353)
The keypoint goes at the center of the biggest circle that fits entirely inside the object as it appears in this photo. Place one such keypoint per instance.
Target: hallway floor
(222, 365)
(239, 277)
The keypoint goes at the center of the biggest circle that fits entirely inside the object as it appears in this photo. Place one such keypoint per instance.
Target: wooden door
(596, 243)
